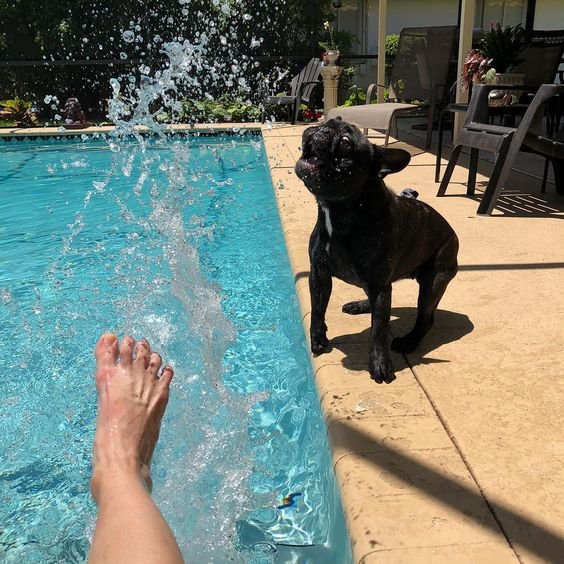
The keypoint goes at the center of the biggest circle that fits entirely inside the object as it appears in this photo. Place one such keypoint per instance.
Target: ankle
(106, 480)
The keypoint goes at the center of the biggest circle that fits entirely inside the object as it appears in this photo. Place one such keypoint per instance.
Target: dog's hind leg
(356, 308)
(433, 280)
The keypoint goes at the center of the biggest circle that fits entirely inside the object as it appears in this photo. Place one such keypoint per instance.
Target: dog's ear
(392, 160)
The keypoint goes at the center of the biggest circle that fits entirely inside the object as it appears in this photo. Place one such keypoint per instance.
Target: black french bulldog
(368, 236)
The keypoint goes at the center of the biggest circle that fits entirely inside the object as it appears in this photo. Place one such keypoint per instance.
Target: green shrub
(222, 109)
(356, 97)
(19, 111)
(392, 42)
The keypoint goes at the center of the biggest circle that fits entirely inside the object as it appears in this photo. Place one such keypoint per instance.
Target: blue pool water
(178, 241)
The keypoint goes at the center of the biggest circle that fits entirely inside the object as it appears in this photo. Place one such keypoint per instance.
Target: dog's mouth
(310, 166)
(319, 176)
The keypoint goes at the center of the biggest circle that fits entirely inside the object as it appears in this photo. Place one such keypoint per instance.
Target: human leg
(131, 403)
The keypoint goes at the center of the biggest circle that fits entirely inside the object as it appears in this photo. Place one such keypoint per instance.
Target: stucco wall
(549, 14)
(410, 13)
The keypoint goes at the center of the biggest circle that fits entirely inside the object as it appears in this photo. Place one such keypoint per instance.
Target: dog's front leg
(320, 285)
(379, 361)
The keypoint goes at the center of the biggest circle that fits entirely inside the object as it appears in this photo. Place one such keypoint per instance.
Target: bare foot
(131, 403)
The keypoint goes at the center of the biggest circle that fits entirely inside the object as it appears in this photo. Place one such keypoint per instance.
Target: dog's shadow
(449, 326)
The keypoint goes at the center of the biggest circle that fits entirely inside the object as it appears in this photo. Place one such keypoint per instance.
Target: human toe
(143, 353)
(106, 350)
(155, 363)
(126, 350)
(166, 376)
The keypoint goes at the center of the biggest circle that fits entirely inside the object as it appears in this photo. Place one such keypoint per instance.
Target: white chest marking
(328, 226)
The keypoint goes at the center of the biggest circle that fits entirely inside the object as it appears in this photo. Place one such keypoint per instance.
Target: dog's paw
(357, 307)
(320, 345)
(404, 345)
(381, 369)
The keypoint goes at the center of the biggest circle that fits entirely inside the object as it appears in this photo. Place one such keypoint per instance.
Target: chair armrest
(489, 128)
(370, 91)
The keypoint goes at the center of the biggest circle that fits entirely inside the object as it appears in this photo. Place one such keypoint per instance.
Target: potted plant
(503, 47)
(495, 59)
(18, 110)
(331, 51)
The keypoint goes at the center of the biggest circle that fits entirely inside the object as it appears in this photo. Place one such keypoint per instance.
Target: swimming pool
(178, 241)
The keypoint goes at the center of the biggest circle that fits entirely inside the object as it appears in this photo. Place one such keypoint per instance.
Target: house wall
(409, 13)
(401, 13)
(549, 14)
(361, 17)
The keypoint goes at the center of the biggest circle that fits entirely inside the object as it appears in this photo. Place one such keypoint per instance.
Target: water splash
(211, 474)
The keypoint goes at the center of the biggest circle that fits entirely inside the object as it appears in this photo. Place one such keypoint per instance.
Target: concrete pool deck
(461, 459)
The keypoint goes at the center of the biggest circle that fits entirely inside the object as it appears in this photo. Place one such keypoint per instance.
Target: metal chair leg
(472, 170)
(494, 186)
(439, 147)
(430, 120)
(449, 170)
(558, 169)
(544, 175)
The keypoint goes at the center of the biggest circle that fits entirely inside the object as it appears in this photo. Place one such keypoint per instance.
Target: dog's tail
(409, 193)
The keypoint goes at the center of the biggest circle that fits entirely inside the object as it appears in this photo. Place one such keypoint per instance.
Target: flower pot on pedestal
(331, 57)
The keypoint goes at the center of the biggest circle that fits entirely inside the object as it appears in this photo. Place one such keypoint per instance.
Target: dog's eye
(345, 146)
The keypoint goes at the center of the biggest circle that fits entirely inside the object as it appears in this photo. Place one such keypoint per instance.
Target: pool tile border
(22, 135)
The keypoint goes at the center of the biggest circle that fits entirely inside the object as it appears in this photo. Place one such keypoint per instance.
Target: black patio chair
(301, 90)
(541, 56)
(532, 135)
(418, 82)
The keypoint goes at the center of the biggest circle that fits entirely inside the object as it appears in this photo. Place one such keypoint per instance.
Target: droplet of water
(5, 296)
(128, 36)
(114, 83)
(99, 186)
